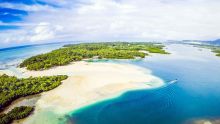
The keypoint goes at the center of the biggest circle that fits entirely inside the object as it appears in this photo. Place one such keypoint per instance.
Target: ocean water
(11, 57)
(195, 96)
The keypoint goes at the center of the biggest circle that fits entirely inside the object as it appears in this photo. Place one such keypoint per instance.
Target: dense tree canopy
(77, 52)
(12, 88)
(15, 114)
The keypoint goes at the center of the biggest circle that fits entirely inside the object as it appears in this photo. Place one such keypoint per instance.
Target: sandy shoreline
(87, 84)
(8, 72)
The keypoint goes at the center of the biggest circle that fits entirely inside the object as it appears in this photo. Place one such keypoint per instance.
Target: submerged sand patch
(87, 84)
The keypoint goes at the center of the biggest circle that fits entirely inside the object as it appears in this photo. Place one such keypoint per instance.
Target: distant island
(77, 52)
(215, 49)
(213, 45)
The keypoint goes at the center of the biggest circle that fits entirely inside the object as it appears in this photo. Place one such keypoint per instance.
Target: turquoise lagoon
(195, 96)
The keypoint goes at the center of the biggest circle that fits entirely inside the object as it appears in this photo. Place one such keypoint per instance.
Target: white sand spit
(89, 83)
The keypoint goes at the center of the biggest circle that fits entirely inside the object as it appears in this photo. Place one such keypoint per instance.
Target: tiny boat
(172, 81)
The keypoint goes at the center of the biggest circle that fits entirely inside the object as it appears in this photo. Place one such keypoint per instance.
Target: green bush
(12, 88)
(15, 114)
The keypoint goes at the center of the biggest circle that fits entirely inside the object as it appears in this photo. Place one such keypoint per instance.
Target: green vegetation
(12, 88)
(215, 49)
(15, 114)
(77, 52)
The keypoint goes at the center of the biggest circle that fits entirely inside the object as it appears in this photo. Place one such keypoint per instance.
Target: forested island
(77, 52)
(12, 88)
(214, 49)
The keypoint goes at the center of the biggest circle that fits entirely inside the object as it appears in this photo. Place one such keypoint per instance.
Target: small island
(77, 52)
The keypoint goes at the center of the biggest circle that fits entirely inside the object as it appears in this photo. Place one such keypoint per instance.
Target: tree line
(12, 88)
(77, 52)
(15, 114)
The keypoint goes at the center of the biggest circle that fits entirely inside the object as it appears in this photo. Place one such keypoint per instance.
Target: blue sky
(38, 21)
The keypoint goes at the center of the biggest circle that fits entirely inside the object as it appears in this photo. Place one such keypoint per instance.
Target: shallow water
(196, 95)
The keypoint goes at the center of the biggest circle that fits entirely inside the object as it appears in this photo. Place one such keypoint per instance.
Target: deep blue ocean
(195, 96)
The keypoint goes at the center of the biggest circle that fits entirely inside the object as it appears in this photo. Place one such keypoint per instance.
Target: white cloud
(122, 20)
(43, 31)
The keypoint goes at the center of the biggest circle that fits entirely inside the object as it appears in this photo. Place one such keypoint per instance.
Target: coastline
(7, 72)
(87, 84)
(174, 67)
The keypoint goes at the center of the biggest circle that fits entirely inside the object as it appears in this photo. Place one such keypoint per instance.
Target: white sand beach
(89, 83)
(8, 72)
